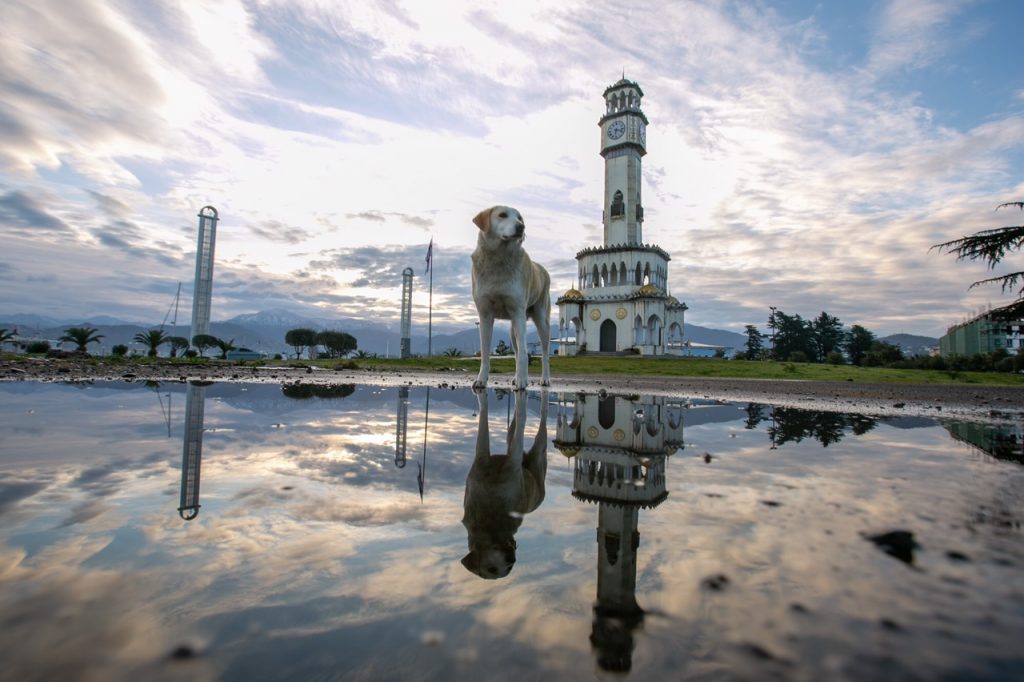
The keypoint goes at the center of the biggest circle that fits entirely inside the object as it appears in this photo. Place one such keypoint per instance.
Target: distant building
(621, 302)
(983, 335)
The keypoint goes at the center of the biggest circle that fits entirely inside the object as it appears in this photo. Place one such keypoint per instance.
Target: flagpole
(430, 317)
(430, 300)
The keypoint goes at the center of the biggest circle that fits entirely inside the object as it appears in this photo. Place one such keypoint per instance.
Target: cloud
(910, 33)
(19, 210)
(278, 231)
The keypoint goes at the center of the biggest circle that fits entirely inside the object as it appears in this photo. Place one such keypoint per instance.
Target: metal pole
(430, 316)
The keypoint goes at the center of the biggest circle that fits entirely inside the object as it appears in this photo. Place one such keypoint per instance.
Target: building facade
(983, 335)
(621, 302)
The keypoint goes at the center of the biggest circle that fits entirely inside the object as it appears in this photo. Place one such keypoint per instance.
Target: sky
(802, 155)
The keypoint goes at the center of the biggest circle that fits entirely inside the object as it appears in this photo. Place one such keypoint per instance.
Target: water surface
(235, 531)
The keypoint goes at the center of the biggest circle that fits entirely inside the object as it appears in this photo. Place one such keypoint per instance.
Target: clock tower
(623, 143)
(621, 303)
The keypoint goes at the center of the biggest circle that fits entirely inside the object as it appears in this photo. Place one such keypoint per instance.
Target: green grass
(706, 367)
(634, 366)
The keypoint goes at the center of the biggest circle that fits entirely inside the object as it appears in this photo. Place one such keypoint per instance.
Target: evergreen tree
(754, 345)
(991, 246)
(828, 335)
(858, 343)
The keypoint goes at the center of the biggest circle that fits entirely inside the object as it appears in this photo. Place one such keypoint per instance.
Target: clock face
(616, 129)
(643, 135)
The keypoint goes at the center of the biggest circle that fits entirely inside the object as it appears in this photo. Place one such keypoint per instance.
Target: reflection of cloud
(86, 511)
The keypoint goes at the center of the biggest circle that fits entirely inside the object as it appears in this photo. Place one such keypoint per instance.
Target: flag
(430, 254)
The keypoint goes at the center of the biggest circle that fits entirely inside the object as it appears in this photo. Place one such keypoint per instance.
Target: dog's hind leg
(486, 328)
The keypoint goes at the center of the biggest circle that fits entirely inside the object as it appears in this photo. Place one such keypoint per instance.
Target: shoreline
(970, 402)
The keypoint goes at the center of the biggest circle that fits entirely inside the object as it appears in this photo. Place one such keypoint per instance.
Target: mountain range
(265, 331)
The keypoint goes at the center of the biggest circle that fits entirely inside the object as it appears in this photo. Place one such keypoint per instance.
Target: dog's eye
(503, 215)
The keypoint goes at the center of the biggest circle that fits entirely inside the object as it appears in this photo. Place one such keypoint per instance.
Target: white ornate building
(621, 302)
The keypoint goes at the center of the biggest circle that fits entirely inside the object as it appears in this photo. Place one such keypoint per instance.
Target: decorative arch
(638, 331)
(608, 336)
(654, 327)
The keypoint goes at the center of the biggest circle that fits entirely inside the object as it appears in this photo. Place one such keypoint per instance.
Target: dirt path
(964, 401)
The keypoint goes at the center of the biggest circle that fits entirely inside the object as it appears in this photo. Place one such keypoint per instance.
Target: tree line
(336, 344)
(792, 338)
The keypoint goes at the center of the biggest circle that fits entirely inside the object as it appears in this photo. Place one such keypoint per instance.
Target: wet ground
(355, 531)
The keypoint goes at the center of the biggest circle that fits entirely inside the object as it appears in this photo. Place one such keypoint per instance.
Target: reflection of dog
(501, 489)
(507, 285)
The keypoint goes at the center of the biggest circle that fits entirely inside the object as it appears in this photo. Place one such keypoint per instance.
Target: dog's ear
(483, 219)
(472, 562)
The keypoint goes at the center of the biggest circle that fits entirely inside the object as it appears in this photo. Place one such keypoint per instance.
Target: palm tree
(152, 339)
(81, 336)
(991, 246)
(225, 346)
(453, 352)
(5, 336)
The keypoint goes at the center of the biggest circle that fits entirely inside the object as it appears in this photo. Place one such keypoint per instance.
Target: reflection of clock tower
(620, 446)
(621, 303)
(623, 142)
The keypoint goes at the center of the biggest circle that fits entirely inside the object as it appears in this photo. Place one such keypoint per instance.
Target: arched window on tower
(618, 206)
(596, 276)
(639, 278)
(604, 275)
(647, 274)
(613, 275)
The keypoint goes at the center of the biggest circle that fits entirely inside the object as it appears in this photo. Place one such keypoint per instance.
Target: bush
(277, 356)
(38, 347)
(120, 350)
(834, 358)
(190, 353)
(798, 356)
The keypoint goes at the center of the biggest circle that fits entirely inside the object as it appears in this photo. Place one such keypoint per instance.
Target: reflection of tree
(790, 424)
(755, 415)
(323, 391)
(1002, 441)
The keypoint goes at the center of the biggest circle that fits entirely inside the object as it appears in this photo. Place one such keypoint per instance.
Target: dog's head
(501, 223)
(491, 563)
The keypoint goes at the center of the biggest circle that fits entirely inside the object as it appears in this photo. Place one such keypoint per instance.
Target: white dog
(507, 285)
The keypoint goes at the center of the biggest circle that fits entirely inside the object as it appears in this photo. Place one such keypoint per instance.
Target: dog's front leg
(519, 345)
(486, 328)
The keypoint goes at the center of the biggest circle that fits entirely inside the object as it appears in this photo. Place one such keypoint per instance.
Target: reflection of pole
(192, 452)
(401, 426)
(422, 474)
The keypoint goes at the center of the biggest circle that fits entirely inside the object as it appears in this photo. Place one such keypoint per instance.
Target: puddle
(233, 531)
